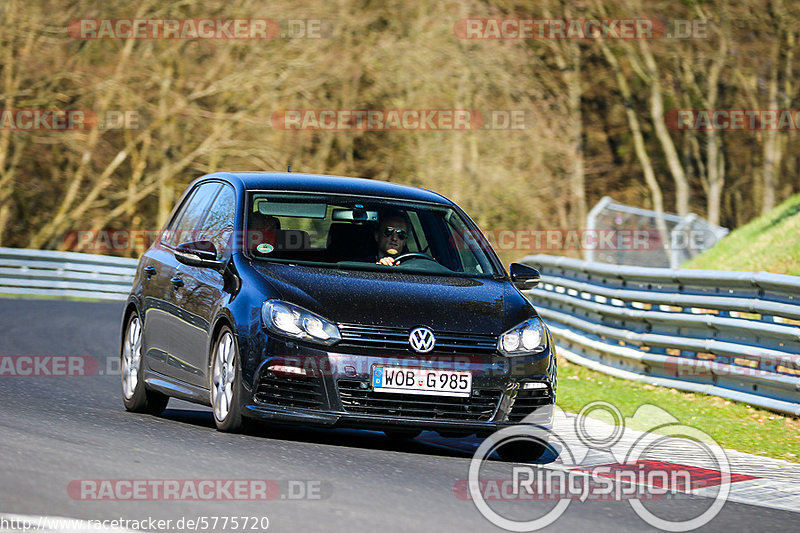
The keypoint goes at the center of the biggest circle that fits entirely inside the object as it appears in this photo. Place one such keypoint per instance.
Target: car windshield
(355, 233)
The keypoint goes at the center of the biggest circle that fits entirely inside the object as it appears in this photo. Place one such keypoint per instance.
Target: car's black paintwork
(183, 307)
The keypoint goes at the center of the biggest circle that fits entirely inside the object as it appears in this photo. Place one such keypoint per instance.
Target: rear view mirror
(524, 277)
(356, 215)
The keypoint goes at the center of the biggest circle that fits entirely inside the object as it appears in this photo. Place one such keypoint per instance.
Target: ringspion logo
(630, 473)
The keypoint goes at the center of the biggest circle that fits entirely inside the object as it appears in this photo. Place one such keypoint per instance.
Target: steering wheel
(415, 255)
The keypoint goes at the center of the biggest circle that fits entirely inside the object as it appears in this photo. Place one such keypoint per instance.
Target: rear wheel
(134, 392)
(226, 383)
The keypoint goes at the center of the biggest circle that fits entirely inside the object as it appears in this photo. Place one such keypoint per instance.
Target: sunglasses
(401, 233)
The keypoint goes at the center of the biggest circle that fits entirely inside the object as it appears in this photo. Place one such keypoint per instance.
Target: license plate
(421, 381)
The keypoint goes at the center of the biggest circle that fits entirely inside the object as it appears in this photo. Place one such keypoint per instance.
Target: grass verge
(767, 243)
(733, 425)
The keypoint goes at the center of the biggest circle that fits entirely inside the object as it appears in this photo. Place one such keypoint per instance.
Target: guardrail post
(591, 223)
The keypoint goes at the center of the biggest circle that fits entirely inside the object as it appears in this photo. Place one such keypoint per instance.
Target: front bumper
(312, 386)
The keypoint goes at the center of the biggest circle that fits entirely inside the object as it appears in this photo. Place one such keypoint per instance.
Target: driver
(391, 236)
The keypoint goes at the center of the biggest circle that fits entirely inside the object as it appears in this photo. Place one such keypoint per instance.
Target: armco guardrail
(732, 334)
(42, 272)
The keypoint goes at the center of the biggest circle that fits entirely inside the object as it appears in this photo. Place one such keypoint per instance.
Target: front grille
(356, 399)
(397, 339)
(527, 401)
(289, 390)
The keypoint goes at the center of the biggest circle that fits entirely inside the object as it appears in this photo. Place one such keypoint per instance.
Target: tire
(135, 395)
(225, 382)
(403, 434)
(523, 451)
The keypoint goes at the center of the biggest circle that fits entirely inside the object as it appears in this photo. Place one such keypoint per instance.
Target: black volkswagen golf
(333, 301)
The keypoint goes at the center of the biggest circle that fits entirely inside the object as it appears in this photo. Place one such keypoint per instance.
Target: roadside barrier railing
(65, 274)
(731, 334)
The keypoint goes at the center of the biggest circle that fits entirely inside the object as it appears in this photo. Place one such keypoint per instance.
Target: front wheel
(226, 383)
(135, 395)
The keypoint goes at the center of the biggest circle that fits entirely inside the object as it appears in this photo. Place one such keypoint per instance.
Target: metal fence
(70, 274)
(679, 238)
(732, 334)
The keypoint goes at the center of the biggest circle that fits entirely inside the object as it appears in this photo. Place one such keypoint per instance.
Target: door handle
(150, 271)
(176, 283)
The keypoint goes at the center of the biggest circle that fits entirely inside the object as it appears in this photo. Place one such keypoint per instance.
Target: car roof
(292, 181)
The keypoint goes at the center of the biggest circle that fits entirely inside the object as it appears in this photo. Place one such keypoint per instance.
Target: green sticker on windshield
(265, 248)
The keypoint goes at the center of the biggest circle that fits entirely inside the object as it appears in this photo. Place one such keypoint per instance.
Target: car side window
(187, 222)
(168, 235)
(219, 223)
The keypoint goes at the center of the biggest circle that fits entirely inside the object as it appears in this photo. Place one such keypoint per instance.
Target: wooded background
(205, 105)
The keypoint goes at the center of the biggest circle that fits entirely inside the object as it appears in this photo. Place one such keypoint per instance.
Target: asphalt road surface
(57, 431)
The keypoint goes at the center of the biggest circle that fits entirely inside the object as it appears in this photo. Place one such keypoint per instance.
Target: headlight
(293, 321)
(526, 338)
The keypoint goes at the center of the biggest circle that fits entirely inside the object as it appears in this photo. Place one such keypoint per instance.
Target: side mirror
(199, 254)
(524, 277)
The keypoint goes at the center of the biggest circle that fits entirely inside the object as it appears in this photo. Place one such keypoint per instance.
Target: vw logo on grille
(422, 340)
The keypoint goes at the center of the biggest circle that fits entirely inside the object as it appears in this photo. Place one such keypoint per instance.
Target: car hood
(443, 303)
